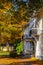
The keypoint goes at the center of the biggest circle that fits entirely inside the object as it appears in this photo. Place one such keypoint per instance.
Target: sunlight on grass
(33, 58)
(4, 53)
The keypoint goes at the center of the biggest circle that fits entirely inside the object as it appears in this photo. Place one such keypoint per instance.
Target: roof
(28, 37)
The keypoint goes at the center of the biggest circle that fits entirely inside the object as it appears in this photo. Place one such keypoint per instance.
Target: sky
(16, 5)
(25, 0)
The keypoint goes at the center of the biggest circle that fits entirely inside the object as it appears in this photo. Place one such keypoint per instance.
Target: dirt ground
(13, 61)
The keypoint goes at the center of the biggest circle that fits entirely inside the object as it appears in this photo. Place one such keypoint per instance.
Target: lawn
(3, 53)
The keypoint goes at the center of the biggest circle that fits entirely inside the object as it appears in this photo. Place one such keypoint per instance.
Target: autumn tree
(14, 14)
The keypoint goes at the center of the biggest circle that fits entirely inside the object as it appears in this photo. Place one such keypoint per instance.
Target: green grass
(2, 53)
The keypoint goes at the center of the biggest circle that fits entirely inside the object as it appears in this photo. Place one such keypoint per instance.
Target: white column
(39, 45)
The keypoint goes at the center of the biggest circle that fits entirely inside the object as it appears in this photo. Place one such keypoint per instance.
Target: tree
(14, 14)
